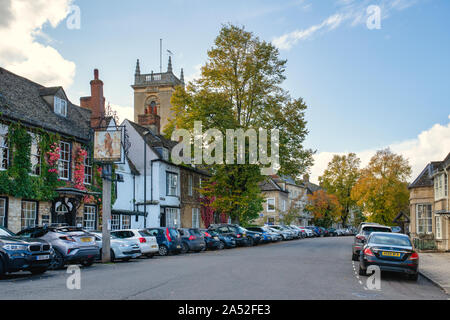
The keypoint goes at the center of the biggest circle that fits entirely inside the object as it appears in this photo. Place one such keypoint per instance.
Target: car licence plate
(47, 257)
(86, 239)
(178, 247)
(390, 254)
(154, 246)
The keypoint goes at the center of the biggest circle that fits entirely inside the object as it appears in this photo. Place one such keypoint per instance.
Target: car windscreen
(123, 234)
(391, 240)
(144, 233)
(369, 230)
(195, 232)
(6, 232)
(174, 233)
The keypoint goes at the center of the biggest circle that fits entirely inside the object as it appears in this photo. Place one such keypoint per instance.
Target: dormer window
(60, 106)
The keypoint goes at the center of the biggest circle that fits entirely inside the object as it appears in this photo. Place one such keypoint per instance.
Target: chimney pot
(96, 74)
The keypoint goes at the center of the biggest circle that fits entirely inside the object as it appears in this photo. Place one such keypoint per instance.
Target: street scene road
(316, 268)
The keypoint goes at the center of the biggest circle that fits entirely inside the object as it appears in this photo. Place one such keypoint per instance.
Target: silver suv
(72, 245)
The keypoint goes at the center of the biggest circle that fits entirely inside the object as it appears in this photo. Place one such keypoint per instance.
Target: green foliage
(339, 179)
(239, 88)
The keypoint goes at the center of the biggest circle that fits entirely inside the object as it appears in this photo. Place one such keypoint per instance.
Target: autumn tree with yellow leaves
(382, 189)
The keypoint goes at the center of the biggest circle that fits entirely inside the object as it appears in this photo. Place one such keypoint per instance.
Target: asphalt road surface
(319, 268)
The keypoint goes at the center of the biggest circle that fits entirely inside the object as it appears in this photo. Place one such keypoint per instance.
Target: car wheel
(57, 261)
(413, 277)
(184, 248)
(36, 271)
(355, 257)
(112, 255)
(163, 250)
(361, 271)
(250, 242)
(221, 245)
(2, 268)
(90, 262)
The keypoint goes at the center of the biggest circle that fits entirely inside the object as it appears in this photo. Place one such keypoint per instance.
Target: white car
(147, 243)
(309, 232)
(121, 249)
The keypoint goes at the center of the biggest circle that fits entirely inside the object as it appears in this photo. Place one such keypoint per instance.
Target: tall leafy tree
(382, 189)
(339, 179)
(239, 88)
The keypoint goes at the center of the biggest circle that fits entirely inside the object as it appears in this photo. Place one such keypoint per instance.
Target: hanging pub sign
(108, 145)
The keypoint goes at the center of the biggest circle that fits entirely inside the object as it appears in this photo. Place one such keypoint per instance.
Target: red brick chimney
(96, 102)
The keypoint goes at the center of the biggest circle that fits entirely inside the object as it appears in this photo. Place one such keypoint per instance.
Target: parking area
(316, 268)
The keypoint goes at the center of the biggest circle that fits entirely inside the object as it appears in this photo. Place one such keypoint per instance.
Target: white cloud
(353, 11)
(194, 75)
(430, 145)
(20, 52)
(123, 112)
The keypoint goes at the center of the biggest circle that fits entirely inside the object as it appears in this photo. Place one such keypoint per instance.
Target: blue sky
(366, 89)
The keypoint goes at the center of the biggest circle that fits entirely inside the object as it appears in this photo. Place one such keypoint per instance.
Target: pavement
(311, 269)
(436, 267)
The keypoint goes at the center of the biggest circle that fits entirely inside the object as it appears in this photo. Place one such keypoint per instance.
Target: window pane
(2, 212)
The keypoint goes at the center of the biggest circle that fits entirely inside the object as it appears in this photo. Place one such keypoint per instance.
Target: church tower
(152, 93)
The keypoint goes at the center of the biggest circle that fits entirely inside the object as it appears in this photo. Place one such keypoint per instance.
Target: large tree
(339, 178)
(239, 88)
(382, 188)
(324, 207)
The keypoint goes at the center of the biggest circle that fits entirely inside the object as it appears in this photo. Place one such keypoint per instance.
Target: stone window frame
(171, 184)
(89, 217)
(196, 220)
(35, 155)
(88, 165)
(4, 219)
(428, 226)
(34, 219)
(274, 204)
(63, 162)
(190, 185)
(438, 224)
(4, 147)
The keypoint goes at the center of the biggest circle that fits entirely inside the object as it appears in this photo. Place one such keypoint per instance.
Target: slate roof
(22, 100)
(133, 168)
(425, 178)
(269, 184)
(311, 187)
(153, 140)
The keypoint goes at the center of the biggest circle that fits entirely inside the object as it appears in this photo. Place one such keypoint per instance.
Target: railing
(431, 244)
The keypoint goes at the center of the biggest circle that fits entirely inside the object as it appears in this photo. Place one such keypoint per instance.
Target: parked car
(396, 229)
(266, 234)
(285, 234)
(212, 240)
(70, 244)
(308, 232)
(121, 249)
(315, 230)
(191, 240)
(332, 232)
(169, 240)
(297, 233)
(254, 237)
(147, 243)
(390, 252)
(230, 230)
(227, 241)
(301, 231)
(323, 232)
(361, 237)
(20, 254)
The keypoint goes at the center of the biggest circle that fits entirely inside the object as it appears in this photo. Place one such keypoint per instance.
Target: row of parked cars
(39, 248)
(384, 247)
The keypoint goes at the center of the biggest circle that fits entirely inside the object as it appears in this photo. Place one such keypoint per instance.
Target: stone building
(42, 112)
(276, 202)
(429, 206)
(152, 94)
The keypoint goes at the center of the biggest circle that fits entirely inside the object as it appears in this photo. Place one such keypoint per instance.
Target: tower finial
(138, 68)
(169, 67)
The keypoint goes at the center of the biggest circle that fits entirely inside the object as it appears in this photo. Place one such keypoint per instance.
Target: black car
(231, 230)
(17, 254)
(390, 252)
(212, 240)
(191, 240)
(227, 241)
(332, 232)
